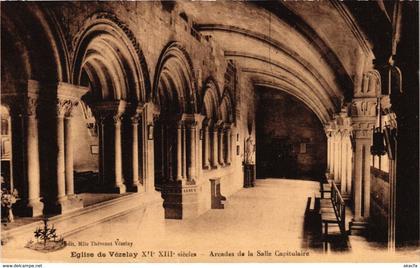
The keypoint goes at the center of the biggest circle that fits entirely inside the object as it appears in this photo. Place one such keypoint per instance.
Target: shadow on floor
(312, 237)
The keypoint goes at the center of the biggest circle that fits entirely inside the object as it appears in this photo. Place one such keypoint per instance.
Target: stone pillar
(136, 185)
(337, 178)
(343, 171)
(192, 168)
(363, 122)
(149, 178)
(220, 144)
(179, 159)
(184, 151)
(34, 207)
(215, 145)
(68, 133)
(228, 144)
(68, 97)
(119, 184)
(114, 109)
(62, 106)
(329, 138)
(206, 145)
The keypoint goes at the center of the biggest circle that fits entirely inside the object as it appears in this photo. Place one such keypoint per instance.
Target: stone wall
(291, 139)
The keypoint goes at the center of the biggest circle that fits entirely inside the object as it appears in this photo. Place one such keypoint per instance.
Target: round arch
(31, 47)
(211, 99)
(108, 58)
(174, 82)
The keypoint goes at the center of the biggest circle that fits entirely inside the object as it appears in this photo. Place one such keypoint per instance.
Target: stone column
(193, 136)
(68, 97)
(337, 157)
(184, 151)
(114, 109)
(34, 205)
(206, 145)
(119, 185)
(328, 133)
(220, 145)
(68, 133)
(349, 168)
(137, 187)
(363, 122)
(344, 153)
(215, 145)
(149, 116)
(228, 144)
(62, 107)
(179, 159)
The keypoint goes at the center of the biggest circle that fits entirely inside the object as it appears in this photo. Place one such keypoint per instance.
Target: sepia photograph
(209, 132)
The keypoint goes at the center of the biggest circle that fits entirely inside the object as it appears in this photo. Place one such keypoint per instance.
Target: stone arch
(108, 58)
(31, 47)
(211, 99)
(174, 82)
(226, 109)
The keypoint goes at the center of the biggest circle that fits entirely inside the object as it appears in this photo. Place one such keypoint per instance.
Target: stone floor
(267, 221)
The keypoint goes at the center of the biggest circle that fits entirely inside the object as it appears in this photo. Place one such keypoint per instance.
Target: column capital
(64, 107)
(363, 107)
(105, 109)
(70, 92)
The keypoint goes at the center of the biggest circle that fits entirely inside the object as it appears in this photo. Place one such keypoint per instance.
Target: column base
(137, 188)
(33, 208)
(68, 204)
(120, 189)
(358, 227)
(180, 201)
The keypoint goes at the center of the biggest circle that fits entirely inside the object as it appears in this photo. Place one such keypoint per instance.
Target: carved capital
(64, 107)
(30, 105)
(117, 119)
(363, 128)
(363, 107)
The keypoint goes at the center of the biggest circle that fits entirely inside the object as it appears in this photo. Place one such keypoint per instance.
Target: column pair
(68, 97)
(112, 110)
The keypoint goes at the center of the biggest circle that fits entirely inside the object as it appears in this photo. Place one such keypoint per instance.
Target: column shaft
(228, 143)
(184, 152)
(358, 176)
(68, 133)
(192, 167)
(135, 151)
(206, 146)
(61, 184)
(215, 145)
(33, 166)
(179, 152)
(118, 156)
(221, 149)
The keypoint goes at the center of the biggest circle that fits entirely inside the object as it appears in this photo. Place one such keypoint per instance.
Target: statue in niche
(249, 151)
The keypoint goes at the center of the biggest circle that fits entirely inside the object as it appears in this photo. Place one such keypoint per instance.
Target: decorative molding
(64, 107)
(371, 85)
(363, 107)
(114, 22)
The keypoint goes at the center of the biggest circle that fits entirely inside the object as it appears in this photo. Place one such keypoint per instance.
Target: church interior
(180, 109)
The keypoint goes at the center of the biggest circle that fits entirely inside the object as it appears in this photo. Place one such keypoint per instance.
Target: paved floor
(268, 221)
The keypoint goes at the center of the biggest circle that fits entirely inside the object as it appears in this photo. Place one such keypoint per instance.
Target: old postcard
(209, 131)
